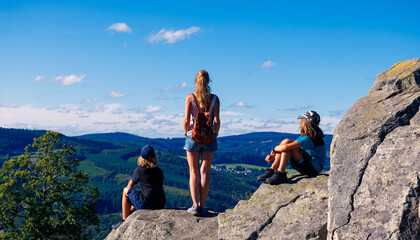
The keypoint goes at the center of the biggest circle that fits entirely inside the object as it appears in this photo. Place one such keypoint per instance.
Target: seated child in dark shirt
(150, 178)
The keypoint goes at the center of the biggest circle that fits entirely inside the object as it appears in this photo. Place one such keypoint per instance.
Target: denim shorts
(135, 198)
(191, 146)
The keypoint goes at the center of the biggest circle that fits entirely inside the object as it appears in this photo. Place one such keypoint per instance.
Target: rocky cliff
(297, 210)
(166, 224)
(372, 191)
(374, 182)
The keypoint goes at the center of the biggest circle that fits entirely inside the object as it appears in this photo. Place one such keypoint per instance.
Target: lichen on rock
(375, 165)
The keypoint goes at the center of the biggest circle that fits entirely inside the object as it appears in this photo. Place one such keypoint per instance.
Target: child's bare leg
(296, 154)
(284, 159)
(277, 160)
(127, 207)
(281, 159)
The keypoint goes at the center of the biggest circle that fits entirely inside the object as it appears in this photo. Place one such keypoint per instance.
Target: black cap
(147, 152)
(312, 117)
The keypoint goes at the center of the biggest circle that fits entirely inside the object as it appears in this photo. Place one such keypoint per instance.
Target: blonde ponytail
(202, 89)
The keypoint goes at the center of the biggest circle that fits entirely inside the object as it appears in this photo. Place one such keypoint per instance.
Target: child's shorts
(305, 167)
(135, 198)
(191, 146)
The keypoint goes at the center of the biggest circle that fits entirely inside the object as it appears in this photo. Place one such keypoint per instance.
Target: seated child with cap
(307, 154)
(150, 178)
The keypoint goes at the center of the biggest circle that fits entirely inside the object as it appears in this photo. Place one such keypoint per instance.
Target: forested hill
(237, 149)
(258, 142)
(14, 141)
(162, 144)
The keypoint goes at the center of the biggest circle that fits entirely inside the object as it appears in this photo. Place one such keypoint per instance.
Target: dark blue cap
(312, 117)
(147, 152)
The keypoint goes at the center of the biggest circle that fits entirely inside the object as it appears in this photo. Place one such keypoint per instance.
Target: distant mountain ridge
(115, 136)
(13, 141)
(252, 145)
(251, 148)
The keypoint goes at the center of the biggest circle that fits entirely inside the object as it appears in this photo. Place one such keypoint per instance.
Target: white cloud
(245, 125)
(267, 64)
(240, 105)
(119, 27)
(175, 87)
(9, 105)
(149, 109)
(153, 109)
(69, 79)
(115, 94)
(299, 108)
(108, 108)
(328, 124)
(336, 113)
(229, 113)
(60, 109)
(161, 98)
(105, 118)
(37, 79)
(72, 120)
(87, 101)
(170, 36)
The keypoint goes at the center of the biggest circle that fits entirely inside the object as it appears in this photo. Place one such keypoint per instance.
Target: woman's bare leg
(206, 158)
(193, 163)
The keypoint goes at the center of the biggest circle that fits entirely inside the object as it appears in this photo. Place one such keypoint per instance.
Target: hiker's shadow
(296, 178)
(209, 214)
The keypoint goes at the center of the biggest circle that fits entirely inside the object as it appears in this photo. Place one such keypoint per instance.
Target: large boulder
(166, 224)
(374, 183)
(296, 210)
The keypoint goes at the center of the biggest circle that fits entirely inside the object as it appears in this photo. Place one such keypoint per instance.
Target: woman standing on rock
(201, 134)
(307, 154)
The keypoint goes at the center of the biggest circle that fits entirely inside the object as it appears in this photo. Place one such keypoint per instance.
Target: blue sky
(81, 67)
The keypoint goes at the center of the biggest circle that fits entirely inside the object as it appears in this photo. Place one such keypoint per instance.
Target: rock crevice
(287, 211)
(401, 118)
(254, 235)
(373, 156)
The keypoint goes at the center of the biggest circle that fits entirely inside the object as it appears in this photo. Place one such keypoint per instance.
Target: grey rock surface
(297, 210)
(375, 161)
(166, 224)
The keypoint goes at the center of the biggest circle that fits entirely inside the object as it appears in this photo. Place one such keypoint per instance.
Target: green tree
(44, 196)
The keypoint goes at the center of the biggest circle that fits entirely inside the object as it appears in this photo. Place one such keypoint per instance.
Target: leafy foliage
(44, 196)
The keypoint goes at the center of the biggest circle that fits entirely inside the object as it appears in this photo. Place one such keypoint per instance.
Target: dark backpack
(203, 132)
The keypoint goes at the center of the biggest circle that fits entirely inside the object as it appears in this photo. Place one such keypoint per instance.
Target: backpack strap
(213, 102)
(196, 103)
